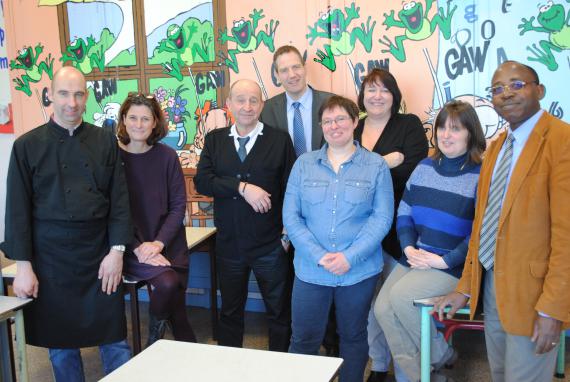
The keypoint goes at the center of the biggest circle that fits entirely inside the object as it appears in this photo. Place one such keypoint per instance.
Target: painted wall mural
(187, 53)
(6, 121)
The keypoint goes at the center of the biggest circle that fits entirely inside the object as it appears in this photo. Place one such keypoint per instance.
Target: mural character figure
(244, 35)
(414, 19)
(28, 61)
(87, 56)
(184, 43)
(554, 20)
(334, 26)
(108, 118)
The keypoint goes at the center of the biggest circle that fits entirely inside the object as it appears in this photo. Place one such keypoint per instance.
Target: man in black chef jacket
(67, 220)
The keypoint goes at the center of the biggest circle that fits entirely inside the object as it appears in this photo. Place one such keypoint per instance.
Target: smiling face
(338, 127)
(516, 106)
(292, 74)
(242, 32)
(452, 138)
(412, 15)
(25, 57)
(551, 16)
(245, 104)
(377, 100)
(139, 123)
(175, 35)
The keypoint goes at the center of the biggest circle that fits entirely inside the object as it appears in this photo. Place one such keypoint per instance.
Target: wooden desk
(12, 307)
(181, 361)
(203, 239)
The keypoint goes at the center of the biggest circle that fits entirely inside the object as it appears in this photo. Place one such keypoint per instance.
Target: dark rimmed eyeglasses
(513, 86)
(340, 121)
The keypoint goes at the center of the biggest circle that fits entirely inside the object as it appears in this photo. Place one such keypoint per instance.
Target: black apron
(71, 310)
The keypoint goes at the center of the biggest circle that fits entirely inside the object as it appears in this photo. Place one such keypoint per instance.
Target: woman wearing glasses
(338, 207)
(158, 253)
(400, 139)
(434, 225)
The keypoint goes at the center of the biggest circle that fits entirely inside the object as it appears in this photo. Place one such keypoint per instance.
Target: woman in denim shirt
(338, 207)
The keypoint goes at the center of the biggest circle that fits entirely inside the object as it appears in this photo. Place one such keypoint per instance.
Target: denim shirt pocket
(356, 191)
(314, 191)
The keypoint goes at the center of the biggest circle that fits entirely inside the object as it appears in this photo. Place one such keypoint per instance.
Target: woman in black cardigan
(400, 139)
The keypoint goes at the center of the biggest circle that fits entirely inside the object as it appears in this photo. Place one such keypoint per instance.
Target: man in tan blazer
(520, 244)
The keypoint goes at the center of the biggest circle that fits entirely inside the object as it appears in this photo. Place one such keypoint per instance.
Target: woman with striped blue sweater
(433, 225)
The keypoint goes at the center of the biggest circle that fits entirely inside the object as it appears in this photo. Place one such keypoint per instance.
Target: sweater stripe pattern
(437, 209)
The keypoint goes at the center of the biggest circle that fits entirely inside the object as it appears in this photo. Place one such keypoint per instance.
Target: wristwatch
(120, 248)
(285, 238)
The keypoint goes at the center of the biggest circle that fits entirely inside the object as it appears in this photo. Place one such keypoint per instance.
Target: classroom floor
(470, 367)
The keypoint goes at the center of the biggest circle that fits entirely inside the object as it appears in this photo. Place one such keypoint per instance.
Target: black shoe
(156, 329)
(377, 376)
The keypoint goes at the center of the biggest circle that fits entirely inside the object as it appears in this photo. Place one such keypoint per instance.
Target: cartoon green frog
(553, 20)
(86, 56)
(333, 26)
(414, 19)
(243, 34)
(28, 62)
(188, 44)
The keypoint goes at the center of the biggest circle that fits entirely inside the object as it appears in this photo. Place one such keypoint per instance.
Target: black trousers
(272, 272)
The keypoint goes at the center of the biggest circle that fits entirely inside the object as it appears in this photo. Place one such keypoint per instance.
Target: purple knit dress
(157, 196)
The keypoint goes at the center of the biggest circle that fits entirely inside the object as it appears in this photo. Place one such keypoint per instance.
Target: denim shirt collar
(356, 157)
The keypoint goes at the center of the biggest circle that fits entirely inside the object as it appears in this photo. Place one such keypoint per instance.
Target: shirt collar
(323, 158)
(304, 100)
(257, 130)
(522, 133)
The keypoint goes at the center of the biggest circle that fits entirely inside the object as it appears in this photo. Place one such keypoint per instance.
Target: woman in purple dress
(158, 253)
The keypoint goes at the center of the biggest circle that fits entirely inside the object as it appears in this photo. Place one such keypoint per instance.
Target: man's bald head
(68, 94)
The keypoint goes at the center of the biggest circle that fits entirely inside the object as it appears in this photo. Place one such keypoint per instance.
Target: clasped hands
(335, 263)
(150, 252)
(422, 259)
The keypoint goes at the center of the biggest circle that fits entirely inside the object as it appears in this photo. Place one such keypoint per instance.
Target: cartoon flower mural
(175, 113)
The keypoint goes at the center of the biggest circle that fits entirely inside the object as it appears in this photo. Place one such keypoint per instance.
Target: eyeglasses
(140, 95)
(513, 86)
(340, 120)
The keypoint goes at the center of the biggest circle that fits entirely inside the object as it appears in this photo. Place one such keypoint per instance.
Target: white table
(181, 361)
(12, 307)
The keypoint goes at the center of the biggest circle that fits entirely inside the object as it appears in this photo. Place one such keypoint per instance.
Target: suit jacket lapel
(281, 111)
(523, 165)
(317, 131)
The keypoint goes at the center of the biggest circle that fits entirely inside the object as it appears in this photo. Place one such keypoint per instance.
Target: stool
(451, 325)
(131, 288)
(426, 306)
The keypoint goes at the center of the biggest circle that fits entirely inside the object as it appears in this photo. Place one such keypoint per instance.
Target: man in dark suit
(245, 168)
(280, 110)
(517, 263)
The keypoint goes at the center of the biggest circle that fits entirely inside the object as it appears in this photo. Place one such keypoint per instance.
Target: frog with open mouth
(414, 19)
(27, 60)
(185, 45)
(86, 56)
(333, 25)
(244, 36)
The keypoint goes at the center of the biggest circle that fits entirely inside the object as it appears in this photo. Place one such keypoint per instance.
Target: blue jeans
(310, 310)
(68, 367)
